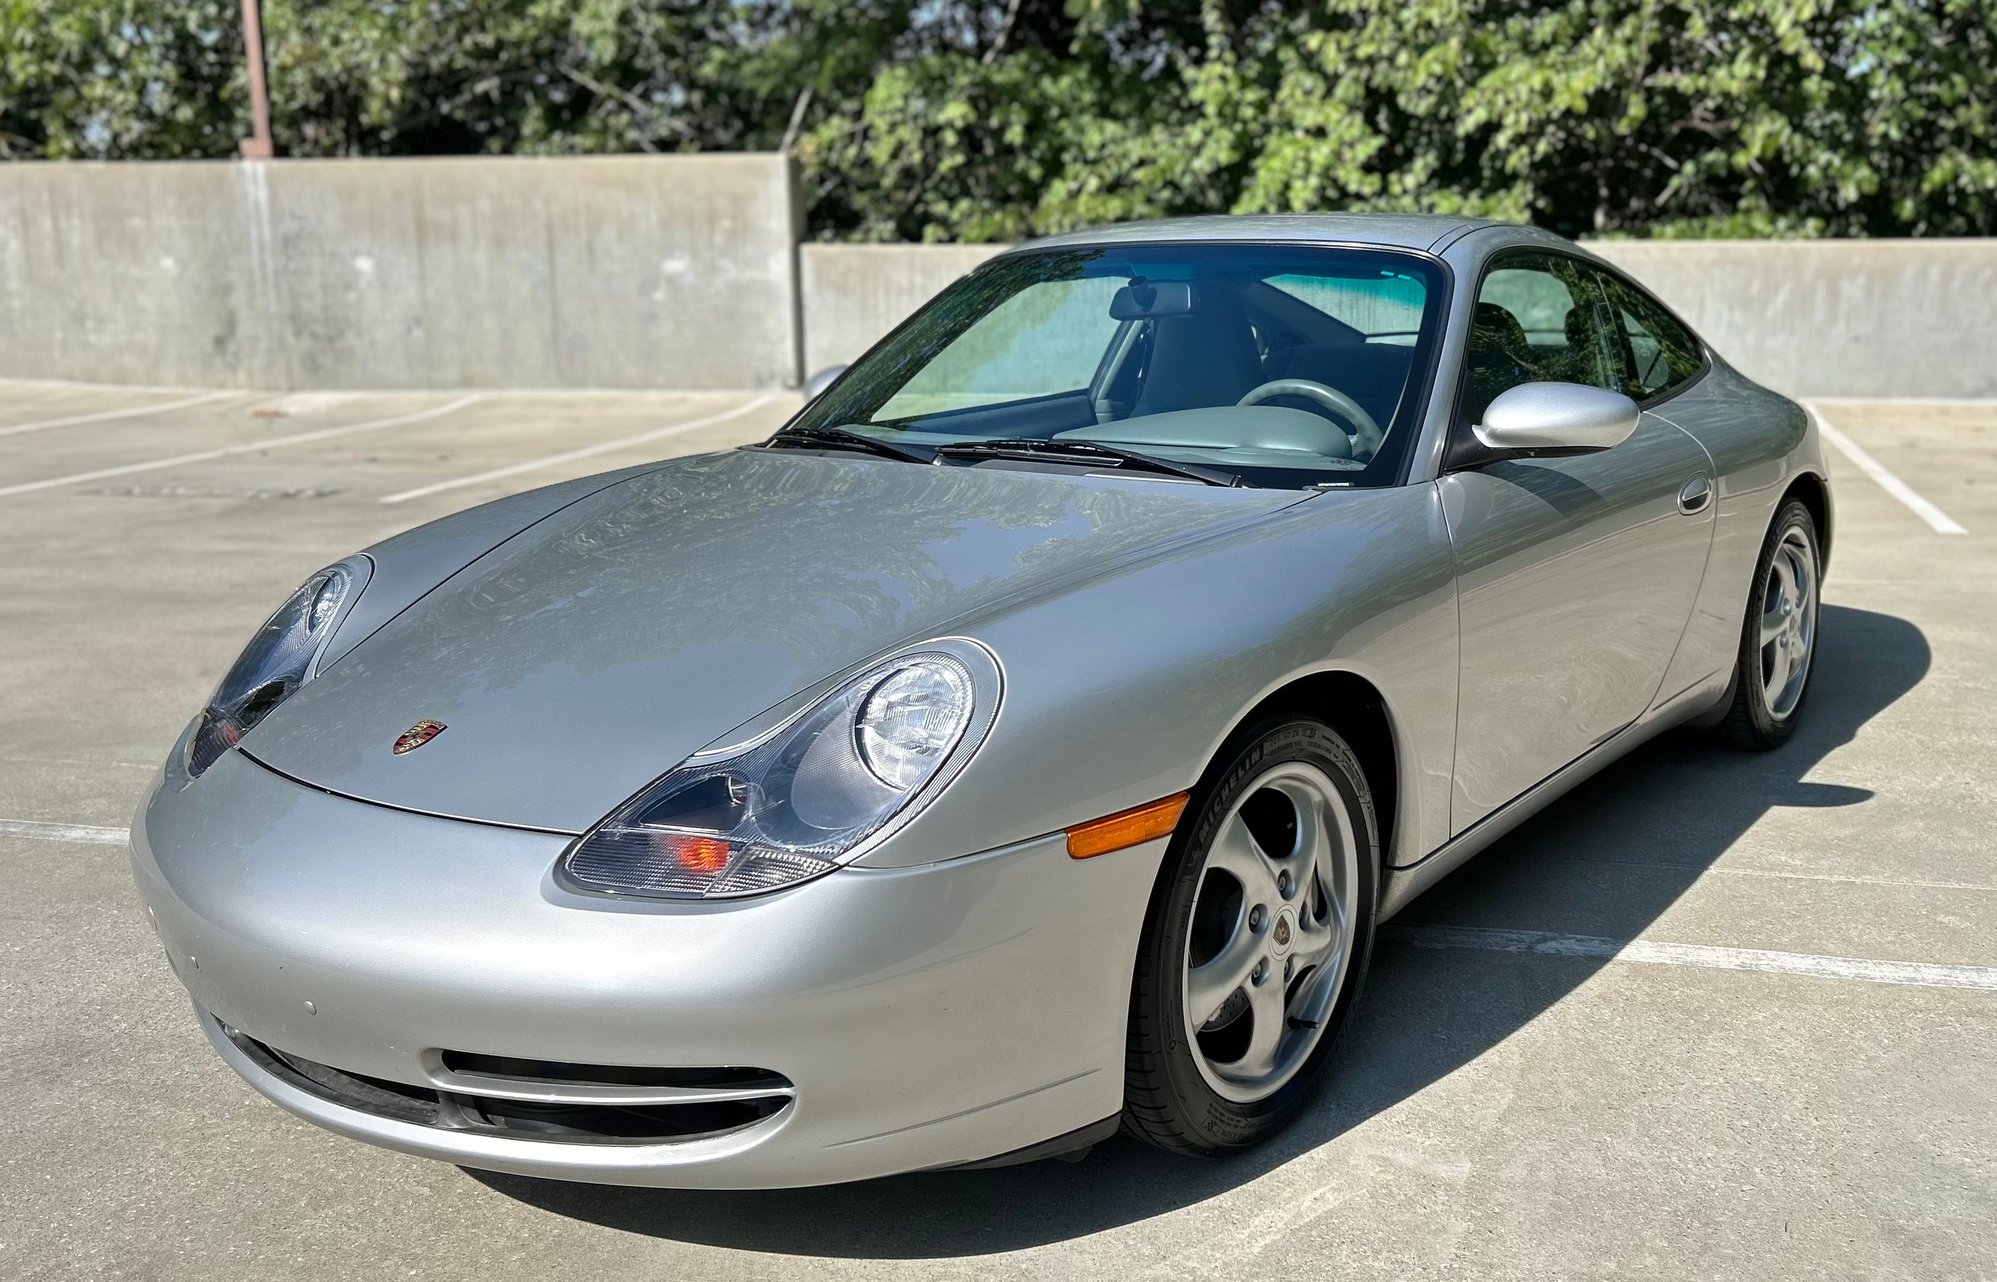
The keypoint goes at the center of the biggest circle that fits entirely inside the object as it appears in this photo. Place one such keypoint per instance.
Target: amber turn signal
(705, 855)
(1126, 828)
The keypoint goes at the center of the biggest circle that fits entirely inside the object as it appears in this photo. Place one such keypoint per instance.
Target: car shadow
(1657, 819)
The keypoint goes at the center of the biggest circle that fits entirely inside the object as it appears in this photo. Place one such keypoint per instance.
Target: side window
(1540, 318)
(1662, 354)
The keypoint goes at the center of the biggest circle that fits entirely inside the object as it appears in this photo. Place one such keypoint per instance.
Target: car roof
(1397, 231)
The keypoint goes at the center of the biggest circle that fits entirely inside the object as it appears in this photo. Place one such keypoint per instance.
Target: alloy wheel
(1272, 932)
(1788, 622)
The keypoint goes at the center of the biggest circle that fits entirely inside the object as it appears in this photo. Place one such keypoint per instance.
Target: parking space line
(252, 447)
(1477, 938)
(1939, 521)
(570, 456)
(1839, 879)
(107, 416)
(1937, 402)
(64, 832)
(1700, 956)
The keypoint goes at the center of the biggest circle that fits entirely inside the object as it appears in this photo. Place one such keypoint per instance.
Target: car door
(1575, 576)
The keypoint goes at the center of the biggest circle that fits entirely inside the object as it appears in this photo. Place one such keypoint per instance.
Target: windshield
(1282, 365)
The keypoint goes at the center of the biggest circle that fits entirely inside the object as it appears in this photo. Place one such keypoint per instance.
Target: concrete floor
(1495, 1114)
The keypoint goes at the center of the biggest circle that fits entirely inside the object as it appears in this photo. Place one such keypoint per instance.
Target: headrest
(1492, 326)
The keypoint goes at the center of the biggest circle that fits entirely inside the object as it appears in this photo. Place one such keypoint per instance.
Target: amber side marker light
(1126, 828)
(707, 855)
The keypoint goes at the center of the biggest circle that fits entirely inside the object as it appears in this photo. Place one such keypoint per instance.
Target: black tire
(1751, 725)
(1167, 1101)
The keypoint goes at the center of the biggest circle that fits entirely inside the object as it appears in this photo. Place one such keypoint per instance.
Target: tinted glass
(1039, 342)
(1540, 318)
(1662, 355)
(1383, 309)
(1153, 347)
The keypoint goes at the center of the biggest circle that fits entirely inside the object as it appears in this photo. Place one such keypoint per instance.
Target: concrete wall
(1835, 318)
(854, 294)
(671, 271)
(686, 271)
(1813, 318)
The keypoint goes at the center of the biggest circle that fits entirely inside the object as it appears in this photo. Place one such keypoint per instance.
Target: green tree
(1594, 116)
(945, 120)
(93, 78)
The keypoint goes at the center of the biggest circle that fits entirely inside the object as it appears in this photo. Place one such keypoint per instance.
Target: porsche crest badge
(417, 735)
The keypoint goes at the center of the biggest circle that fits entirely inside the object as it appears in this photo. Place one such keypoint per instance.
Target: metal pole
(257, 145)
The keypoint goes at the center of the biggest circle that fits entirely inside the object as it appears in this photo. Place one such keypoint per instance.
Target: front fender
(1121, 690)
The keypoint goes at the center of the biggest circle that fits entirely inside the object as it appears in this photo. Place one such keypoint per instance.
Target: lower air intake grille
(547, 1100)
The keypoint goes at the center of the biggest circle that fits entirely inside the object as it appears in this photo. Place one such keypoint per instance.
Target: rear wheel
(1258, 937)
(1779, 636)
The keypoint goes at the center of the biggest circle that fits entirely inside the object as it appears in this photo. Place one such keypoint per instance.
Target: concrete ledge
(687, 272)
(1813, 318)
(1860, 318)
(855, 294)
(625, 271)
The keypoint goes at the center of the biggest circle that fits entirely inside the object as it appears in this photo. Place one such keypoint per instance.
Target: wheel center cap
(1282, 932)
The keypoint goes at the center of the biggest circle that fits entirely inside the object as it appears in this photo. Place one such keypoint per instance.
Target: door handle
(1692, 499)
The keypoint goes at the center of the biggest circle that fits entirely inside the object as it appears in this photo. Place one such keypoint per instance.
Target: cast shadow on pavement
(1663, 815)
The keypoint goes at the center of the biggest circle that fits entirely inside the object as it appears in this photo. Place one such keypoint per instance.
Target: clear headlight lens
(802, 800)
(910, 721)
(276, 662)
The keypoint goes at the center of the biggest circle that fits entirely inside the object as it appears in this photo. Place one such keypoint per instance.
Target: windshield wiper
(839, 438)
(1088, 452)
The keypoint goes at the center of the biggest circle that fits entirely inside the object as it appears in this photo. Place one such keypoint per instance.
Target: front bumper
(927, 1016)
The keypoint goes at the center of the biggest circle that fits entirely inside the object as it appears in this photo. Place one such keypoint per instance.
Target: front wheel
(1257, 939)
(1779, 635)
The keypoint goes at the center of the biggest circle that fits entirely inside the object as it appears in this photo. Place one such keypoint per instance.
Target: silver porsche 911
(1025, 741)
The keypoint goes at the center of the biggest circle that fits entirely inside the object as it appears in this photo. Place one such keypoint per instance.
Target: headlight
(911, 719)
(819, 790)
(277, 661)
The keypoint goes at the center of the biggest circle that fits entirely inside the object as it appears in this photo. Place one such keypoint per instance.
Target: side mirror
(815, 386)
(1556, 418)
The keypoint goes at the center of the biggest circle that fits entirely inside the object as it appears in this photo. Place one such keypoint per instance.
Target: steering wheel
(1366, 434)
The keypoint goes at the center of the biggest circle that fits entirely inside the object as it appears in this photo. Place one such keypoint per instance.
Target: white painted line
(1937, 402)
(64, 832)
(304, 403)
(253, 447)
(74, 761)
(1841, 879)
(1939, 521)
(101, 387)
(570, 456)
(1478, 938)
(1702, 956)
(106, 416)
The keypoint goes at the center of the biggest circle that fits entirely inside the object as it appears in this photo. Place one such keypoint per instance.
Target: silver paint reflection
(1521, 622)
(594, 652)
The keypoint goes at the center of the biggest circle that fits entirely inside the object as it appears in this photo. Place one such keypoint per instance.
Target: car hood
(593, 651)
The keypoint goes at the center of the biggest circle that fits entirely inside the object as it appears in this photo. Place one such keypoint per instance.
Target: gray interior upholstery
(1499, 359)
(1205, 358)
(1373, 374)
(1579, 365)
(1260, 427)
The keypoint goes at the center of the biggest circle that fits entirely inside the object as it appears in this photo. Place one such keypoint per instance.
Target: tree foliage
(941, 120)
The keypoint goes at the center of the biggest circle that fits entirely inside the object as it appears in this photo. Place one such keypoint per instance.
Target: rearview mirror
(1556, 418)
(817, 383)
(1149, 299)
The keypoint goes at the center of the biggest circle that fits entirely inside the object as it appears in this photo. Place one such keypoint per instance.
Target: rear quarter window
(1662, 355)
